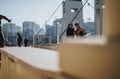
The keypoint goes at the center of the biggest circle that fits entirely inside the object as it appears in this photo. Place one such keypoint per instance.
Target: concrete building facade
(70, 9)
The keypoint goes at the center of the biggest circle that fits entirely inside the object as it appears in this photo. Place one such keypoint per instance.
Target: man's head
(77, 25)
(70, 25)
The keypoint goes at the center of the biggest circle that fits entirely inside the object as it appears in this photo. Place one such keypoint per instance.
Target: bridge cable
(49, 18)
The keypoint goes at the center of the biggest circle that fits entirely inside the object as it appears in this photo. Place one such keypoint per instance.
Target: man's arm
(4, 17)
(84, 32)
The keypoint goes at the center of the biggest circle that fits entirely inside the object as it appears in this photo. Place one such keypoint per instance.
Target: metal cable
(49, 19)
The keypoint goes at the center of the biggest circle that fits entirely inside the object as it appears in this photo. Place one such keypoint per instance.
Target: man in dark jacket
(1, 36)
(19, 39)
(25, 42)
(70, 30)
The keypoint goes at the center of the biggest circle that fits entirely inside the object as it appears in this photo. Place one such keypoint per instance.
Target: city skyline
(37, 11)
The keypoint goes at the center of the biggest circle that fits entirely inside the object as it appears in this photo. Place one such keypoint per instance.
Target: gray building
(55, 30)
(42, 40)
(10, 31)
(51, 30)
(99, 17)
(29, 30)
(89, 28)
(70, 9)
(59, 25)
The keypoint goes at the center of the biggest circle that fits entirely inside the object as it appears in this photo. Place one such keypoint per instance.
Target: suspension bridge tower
(70, 9)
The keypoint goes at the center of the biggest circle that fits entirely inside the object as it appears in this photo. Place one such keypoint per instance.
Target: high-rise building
(99, 17)
(19, 29)
(51, 30)
(10, 32)
(89, 28)
(70, 9)
(55, 30)
(58, 23)
(29, 30)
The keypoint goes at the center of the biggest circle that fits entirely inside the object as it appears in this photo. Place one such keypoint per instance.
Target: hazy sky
(36, 10)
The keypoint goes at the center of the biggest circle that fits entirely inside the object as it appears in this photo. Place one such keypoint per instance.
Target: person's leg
(25, 44)
(19, 44)
(1, 40)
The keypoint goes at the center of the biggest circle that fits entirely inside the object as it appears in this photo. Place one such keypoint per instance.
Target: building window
(74, 10)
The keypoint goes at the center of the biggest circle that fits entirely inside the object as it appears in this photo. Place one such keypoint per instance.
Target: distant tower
(70, 9)
(98, 17)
